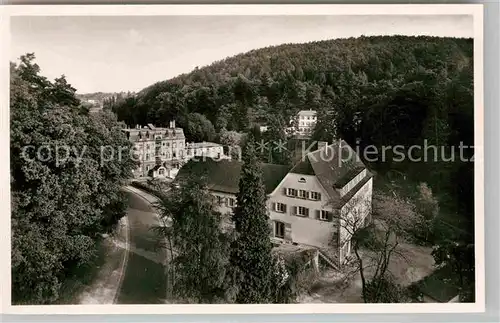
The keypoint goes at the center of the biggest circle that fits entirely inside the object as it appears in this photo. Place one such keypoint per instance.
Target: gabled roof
(334, 166)
(224, 175)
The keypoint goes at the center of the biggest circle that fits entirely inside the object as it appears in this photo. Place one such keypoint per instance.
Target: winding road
(144, 279)
(134, 272)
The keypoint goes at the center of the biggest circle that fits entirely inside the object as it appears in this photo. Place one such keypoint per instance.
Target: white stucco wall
(304, 230)
(359, 207)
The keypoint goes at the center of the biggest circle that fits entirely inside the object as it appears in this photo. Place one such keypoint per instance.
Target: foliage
(374, 245)
(459, 256)
(60, 202)
(277, 141)
(292, 276)
(199, 128)
(427, 205)
(232, 142)
(200, 245)
(251, 257)
(383, 289)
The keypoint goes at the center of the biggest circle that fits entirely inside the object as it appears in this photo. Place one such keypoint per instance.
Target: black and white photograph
(245, 155)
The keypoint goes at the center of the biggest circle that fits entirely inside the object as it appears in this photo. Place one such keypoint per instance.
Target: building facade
(160, 151)
(316, 203)
(306, 121)
(329, 193)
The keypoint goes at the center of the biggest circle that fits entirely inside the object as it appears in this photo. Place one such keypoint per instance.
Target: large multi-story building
(315, 203)
(306, 121)
(160, 151)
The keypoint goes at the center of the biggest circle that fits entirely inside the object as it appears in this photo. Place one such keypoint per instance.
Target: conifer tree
(251, 251)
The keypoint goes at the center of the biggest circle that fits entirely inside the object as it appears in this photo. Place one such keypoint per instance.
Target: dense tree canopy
(65, 192)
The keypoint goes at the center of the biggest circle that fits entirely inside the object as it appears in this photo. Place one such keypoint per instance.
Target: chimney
(173, 123)
(322, 144)
(170, 124)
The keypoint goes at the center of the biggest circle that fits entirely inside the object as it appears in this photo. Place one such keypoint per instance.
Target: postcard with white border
(169, 159)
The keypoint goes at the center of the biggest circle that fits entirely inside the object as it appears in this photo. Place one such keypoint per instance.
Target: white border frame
(476, 10)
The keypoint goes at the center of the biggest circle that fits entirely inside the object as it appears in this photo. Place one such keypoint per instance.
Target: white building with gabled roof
(320, 197)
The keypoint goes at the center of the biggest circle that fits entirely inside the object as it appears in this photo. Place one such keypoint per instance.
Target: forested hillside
(390, 90)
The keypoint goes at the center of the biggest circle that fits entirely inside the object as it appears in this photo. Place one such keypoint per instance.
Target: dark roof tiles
(224, 175)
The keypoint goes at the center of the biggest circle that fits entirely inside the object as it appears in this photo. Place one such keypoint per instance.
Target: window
(279, 230)
(315, 196)
(161, 171)
(324, 215)
(147, 156)
(147, 146)
(168, 144)
(302, 211)
(291, 192)
(174, 145)
(280, 207)
(220, 200)
(163, 143)
(303, 194)
(174, 154)
(231, 202)
(147, 168)
(302, 180)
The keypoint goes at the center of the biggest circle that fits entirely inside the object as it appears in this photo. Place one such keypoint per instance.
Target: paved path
(144, 280)
(104, 288)
(134, 272)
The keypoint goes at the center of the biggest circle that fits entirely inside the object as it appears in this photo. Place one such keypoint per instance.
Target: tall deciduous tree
(64, 193)
(201, 247)
(251, 251)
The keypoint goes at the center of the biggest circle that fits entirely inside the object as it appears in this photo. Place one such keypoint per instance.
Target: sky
(128, 53)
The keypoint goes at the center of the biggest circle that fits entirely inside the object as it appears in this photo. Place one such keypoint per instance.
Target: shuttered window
(301, 211)
(324, 215)
(280, 207)
(315, 196)
(291, 192)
